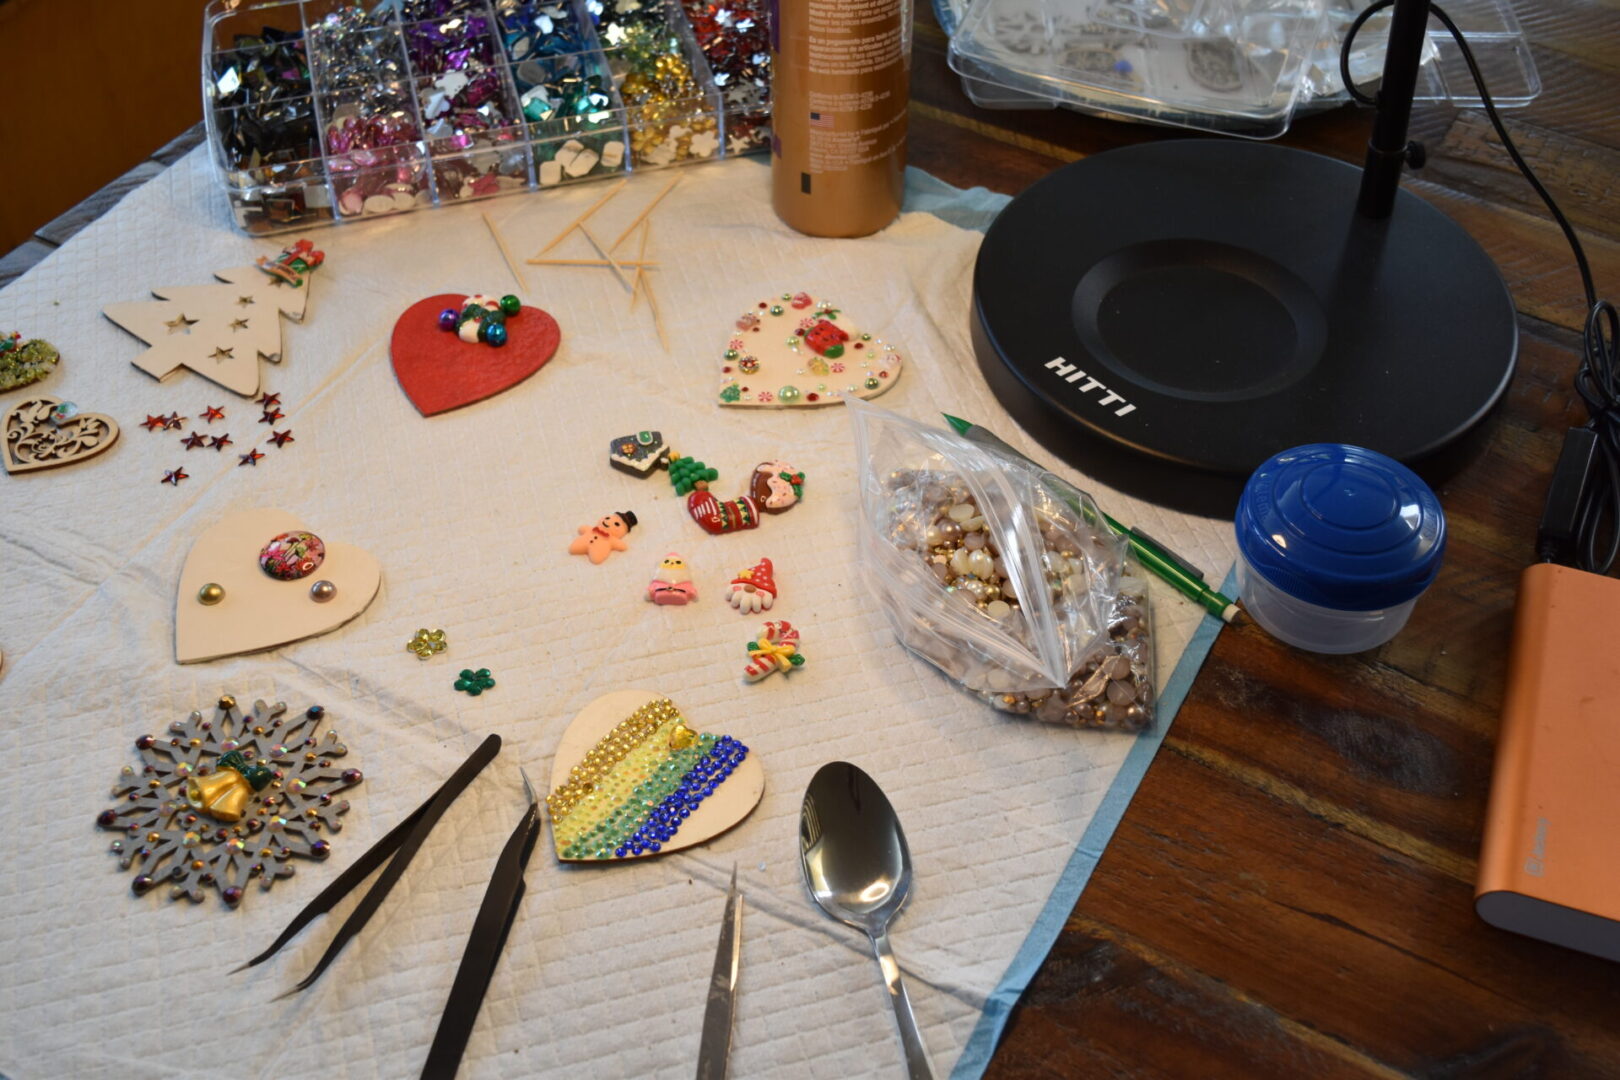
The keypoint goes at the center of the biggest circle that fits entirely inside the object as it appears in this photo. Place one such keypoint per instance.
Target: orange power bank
(1550, 865)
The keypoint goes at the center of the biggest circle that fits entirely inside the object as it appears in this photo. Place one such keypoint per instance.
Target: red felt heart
(439, 372)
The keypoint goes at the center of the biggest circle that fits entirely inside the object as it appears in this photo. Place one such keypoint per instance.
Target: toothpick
(507, 255)
(635, 283)
(587, 262)
(647, 210)
(658, 320)
(617, 271)
(572, 225)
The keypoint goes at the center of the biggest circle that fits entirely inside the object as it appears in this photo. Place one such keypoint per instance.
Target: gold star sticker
(244, 301)
(222, 354)
(180, 324)
(238, 324)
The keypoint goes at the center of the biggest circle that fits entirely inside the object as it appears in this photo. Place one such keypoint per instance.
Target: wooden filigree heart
(256, 606)
(610, 764)
(40, 436)
(795, 350)
(439, 372)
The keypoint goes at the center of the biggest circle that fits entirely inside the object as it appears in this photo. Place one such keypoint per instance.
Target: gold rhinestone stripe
(615, 787)
(608, 752)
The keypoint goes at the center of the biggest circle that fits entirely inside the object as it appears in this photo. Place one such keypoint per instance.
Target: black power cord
(1580, 523)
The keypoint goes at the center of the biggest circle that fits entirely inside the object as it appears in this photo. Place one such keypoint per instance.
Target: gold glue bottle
(840, 82)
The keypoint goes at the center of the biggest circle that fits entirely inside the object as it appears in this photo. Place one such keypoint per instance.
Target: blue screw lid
(1341, 527)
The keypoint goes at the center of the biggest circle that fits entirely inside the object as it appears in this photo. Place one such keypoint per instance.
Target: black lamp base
(1167, 316)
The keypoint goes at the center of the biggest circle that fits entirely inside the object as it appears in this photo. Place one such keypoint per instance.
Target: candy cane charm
(774, 648)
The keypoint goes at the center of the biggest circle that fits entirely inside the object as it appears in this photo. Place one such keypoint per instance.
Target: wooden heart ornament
(439, 371)
(799, 351)
(259, 579)
(610, 766)
(42, 433)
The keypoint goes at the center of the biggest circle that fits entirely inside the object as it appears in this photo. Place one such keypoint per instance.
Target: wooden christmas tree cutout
(222, 331)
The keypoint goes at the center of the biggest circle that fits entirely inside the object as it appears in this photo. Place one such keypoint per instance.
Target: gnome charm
(753, 590)
(602, 539)
(673, 582)
(773, 488)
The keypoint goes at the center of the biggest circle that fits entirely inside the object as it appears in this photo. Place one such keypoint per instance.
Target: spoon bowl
(857, 869)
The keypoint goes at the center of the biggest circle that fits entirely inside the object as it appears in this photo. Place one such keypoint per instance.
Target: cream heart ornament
(610, 767)
(258, 579)
(797, 351)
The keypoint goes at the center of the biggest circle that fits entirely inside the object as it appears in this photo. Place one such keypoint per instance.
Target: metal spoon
(858, 869)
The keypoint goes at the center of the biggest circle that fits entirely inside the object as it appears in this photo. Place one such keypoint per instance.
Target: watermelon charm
(826, 339)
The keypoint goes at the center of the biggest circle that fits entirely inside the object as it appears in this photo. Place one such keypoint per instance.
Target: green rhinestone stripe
(611, 749)
(615, 786)
(628, 816)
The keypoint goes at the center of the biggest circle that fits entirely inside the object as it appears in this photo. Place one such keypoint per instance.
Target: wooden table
(1291, 892)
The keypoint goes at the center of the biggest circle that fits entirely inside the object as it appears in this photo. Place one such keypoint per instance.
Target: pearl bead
(322, 591)
(495, 334)
(510, 304)
(210, 594)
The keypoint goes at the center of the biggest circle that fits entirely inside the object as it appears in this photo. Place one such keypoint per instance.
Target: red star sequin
(173, 477)
(152, 423)
(221, 441)
(271, 416)
(282, 438)
(213, 412)
(173, 421)
(269, 401)
(250, 458)
(194, 440)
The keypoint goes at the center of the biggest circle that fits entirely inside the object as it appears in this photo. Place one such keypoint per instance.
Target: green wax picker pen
(1161, 561)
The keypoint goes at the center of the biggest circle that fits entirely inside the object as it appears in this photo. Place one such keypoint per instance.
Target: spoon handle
(910, 1039)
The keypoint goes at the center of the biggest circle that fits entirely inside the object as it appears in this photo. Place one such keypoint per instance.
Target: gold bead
(210, 594)
(226, 702)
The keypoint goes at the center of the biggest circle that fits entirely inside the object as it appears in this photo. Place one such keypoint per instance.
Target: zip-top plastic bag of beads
(1004, 576)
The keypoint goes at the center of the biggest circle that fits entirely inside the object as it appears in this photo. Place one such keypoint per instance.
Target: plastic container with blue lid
(1336, 544)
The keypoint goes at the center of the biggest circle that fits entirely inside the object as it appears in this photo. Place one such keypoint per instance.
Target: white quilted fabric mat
(470, 514)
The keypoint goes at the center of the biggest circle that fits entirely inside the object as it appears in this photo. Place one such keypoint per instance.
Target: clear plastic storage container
(1243, 67)
(320, 111)
(1335, 545)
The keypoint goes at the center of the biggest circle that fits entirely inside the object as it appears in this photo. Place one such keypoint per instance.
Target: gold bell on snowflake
(224, 795)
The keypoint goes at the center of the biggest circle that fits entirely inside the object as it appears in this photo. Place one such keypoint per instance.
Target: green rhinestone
(787, 296)
(731, 354)
(866, 337)
(776, 309)
(872, 382)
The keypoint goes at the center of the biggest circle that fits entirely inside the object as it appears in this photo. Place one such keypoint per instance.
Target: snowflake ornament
(216, 802)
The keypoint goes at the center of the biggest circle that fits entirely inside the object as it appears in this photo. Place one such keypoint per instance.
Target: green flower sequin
(475, 682)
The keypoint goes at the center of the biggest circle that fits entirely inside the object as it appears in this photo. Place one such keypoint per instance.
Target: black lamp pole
(1387, 149)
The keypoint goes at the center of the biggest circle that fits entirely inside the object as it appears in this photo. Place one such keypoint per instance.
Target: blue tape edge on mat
(987, 1033)
(974, 209)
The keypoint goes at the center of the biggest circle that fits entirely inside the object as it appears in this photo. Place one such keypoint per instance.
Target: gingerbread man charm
(602, 539)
